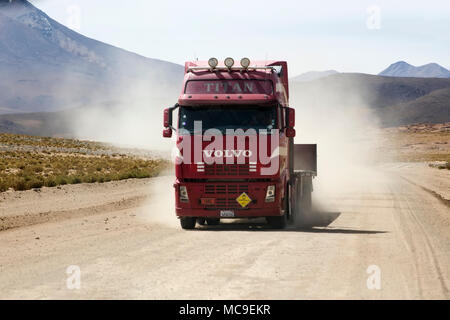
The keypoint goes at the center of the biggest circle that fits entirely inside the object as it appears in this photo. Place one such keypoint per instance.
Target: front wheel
(278, 222)
(187, 223)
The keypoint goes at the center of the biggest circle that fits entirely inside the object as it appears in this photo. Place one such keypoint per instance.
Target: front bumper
(225, 196)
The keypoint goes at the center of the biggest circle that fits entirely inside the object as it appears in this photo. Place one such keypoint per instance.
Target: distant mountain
(403, 69)
(313, 75)
(431, 108)
(393, 100)
(48, 67)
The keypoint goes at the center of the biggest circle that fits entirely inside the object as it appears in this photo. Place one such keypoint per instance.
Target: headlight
(270, 194)
(183, 194)
(229, 62)
(212, 62)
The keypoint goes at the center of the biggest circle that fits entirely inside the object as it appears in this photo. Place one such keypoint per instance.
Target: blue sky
(346, 35)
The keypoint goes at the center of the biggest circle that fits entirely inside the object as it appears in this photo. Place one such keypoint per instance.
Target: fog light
(270, 194)
(229, 62)
(212, 62)
(183, 194)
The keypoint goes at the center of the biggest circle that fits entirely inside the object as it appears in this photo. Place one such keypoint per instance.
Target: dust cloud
(347, 137)
(134, 119)
(160, 207)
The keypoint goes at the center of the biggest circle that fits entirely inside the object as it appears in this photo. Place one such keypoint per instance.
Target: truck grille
(225, 188)
(227, 169)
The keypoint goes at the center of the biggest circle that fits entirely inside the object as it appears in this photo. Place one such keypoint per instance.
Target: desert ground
(392, 220)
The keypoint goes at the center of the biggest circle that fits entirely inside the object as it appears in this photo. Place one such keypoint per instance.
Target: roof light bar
(229, 66)
(233, 68)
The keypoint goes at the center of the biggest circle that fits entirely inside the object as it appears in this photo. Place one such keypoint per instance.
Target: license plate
(227, 214)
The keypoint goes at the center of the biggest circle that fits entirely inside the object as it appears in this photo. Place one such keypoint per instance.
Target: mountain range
(57, 82)
(404, 69)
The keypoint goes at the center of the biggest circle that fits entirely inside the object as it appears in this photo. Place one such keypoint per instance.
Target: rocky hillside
(48, 67)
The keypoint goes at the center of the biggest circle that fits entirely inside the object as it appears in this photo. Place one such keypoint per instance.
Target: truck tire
(212, 221)
(188, 223)
(278, 222)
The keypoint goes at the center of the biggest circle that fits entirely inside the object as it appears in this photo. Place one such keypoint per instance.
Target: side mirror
(167, 133)
(167, 118)
(290, 132)
(290, 117)
(167, 123)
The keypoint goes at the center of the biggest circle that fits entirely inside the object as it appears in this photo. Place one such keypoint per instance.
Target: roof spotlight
(245, 62)
(212, 62)
(229, 62)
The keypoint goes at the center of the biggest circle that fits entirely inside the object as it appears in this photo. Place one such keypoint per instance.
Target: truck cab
(234, 136)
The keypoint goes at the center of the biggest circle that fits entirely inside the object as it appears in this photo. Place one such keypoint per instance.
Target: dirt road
(128, 245)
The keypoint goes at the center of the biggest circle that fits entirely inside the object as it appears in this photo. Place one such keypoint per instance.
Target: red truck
(235, 155)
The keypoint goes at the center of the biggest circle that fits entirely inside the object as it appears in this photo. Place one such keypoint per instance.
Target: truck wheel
(278, 222)
(188, 222)
(212, 221)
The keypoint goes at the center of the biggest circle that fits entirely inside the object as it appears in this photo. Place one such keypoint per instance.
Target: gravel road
(391, 240)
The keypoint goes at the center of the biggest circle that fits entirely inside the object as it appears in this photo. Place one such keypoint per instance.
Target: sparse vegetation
(29, 168)
(440, 166)
(47, 142)
(417, 143)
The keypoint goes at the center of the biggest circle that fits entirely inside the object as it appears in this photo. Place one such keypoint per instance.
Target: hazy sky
(346, 35)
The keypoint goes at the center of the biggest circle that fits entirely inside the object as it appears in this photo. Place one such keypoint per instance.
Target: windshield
(228, 117)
